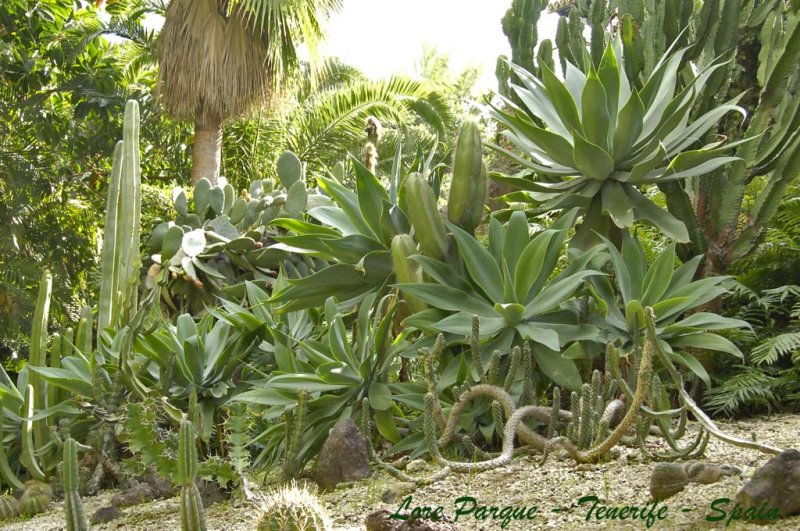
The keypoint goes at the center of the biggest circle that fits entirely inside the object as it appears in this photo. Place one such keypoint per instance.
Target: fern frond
(772, 348)
(749, 388)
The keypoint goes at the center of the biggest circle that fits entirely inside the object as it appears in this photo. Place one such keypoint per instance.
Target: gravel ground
(553, 488)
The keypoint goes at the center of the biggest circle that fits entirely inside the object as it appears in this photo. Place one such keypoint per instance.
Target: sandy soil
(554, 488)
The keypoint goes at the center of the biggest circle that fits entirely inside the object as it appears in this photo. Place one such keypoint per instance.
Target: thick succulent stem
(73, 506)
(192, 513)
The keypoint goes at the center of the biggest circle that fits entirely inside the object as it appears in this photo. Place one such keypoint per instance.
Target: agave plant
(512, 289)
(598, 141)
(336, 371)
(671, 293)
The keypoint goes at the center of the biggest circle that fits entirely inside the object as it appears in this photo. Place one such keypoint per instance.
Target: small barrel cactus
(9, 507)
(293, 509)
(36, 498)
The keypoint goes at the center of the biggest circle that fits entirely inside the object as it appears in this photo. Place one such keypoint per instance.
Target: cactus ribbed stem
(192, 513)
(73, 506)
(554, 413)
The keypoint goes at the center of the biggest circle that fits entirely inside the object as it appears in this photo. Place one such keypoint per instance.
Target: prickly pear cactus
(293, 509)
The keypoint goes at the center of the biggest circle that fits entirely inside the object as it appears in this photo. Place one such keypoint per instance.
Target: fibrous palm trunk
(207, 150)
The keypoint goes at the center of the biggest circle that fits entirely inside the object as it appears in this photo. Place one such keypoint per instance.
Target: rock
(667, 479)
(164, 487)
(707, 473)
(211, 493)
(775, 485)
(380, 521)
(106, 514)
(135, 495)
(343, 457)
(417, 465)
(397, 491)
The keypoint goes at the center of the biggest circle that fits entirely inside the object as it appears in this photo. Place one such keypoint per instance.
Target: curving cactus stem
(73, 506)
(193, 516)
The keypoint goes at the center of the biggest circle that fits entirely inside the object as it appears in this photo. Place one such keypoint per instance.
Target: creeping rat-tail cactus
(73, 506)
(293, 509)
(193, 517)
(468, 189)
(429, 230)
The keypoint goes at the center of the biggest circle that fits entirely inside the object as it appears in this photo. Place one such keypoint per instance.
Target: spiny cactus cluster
(293, 509)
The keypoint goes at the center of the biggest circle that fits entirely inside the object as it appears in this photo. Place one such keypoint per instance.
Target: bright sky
(381, 37)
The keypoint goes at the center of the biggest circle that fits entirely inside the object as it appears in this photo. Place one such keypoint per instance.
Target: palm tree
(220, 58)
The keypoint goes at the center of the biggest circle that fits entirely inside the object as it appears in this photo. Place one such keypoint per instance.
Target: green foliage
(335, 368)
(513, 289)
(671, 293)
(603, 140)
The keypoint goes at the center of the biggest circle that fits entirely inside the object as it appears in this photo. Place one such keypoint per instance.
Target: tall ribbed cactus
(193, 517)
(120, 260)
(73, 506)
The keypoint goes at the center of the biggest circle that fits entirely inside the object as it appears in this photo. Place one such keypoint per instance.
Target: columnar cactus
(193, 516)
(120, 261)
(73, 506)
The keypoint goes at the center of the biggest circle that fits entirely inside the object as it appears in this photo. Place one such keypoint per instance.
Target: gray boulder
(775, 485)
(343, 457)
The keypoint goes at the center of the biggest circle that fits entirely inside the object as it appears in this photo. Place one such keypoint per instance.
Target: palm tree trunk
(207, 151)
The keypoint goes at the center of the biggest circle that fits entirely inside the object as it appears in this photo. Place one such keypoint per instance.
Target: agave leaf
(658, 277)
(591, 159)
(562, 100)
(671, 226)
(481, 265)
(596, 119)
(629, 126)
(617, 204)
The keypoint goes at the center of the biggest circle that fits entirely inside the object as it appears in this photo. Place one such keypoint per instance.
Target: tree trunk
(207, 150)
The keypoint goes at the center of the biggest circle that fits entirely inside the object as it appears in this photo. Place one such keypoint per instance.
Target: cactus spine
(73, 506)
(293, 509)
(468, 189)
(119, 277)
(429, 230)
(193, 516)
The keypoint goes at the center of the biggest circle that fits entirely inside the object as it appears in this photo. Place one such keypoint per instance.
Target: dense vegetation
(625, 248)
